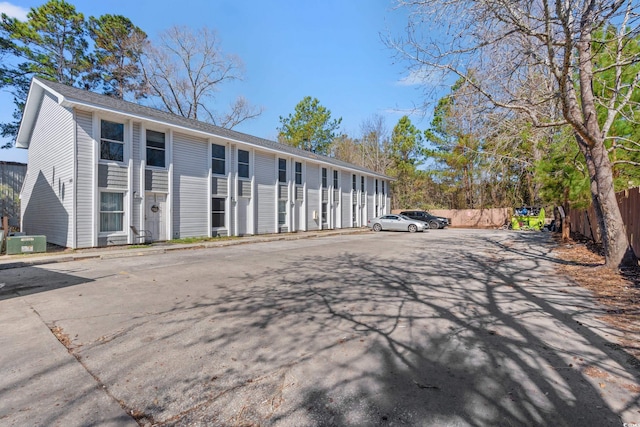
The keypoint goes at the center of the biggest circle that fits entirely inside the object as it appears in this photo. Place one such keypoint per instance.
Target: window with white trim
(335, 180)
(282, 213)
(324, 177)
(155, 148)
(217, 212)
(282, 170)
(218, 159)
(323, 215)
(243, 164)
(111, 141)
(111, 211)
(298, 173)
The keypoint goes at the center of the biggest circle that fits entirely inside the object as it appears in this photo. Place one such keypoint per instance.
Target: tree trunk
(593, 186)
(618, 251)
(583, 117)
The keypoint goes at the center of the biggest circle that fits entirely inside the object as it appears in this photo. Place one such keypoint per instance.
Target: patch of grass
(203, 239)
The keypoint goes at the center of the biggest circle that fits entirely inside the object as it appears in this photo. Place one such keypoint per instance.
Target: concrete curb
(20, 261)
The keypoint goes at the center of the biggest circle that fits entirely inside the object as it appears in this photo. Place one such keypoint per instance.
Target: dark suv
(432, 221)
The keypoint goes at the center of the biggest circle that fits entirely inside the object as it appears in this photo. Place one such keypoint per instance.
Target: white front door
(301, 217)
(243, 216)
(155, 216)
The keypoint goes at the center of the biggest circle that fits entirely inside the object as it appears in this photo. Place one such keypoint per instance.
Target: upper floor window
(155, 148)
(298, 173)
(324, 177)
(218, 158)
(111, 141)
(376, 186)
(362, 184)
(243, 164)
(354, 182)
(383, 188)
(335, 180)
(282, 170)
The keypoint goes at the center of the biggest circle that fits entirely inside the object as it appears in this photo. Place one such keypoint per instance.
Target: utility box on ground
(26, 244)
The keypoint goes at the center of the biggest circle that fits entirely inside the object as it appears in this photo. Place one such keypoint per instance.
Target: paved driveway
(448, 327)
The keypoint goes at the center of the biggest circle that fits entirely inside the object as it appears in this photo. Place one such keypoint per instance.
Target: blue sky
(330, 50)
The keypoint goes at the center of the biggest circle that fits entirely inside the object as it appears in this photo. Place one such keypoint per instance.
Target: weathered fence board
(473, 218)
(11, 178)
(584, 221)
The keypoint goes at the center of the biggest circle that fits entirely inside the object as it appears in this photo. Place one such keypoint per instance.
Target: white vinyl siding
(232, 189)
(61, 195)
(85, 161)
(313, 196)
(156, 181)
(347, 207)
(48, 191)
(219, 186)
(135, 219)
(371, 206)
(190, 186)
(384, 198)
(113, 176)
(266, 180)
(387, 201)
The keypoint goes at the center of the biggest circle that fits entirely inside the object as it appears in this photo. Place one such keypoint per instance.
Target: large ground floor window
(282, 213)
(217, 212)
(111, 211)
(324, 212)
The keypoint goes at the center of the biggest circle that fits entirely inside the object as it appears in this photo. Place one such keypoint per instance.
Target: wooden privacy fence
(584, 221)
(473, 218)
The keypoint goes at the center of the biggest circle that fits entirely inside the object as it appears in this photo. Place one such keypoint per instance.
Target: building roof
(71, 96)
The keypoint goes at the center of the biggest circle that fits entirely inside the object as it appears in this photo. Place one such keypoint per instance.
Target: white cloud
(405, 111)
(13, 11)
(419, 77)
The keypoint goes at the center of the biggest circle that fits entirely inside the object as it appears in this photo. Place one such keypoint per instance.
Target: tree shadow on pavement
(482, 334)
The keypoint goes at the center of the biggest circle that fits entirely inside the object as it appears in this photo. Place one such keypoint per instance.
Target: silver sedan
(396, 223)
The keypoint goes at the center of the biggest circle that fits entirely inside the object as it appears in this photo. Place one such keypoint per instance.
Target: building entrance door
(155, 216)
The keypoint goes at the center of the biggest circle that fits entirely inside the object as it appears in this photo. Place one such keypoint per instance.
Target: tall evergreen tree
(455, 148)
(310, 127)
(50, 44)
(406, 153)
(118, 46)
(562, 174)
(623, 132)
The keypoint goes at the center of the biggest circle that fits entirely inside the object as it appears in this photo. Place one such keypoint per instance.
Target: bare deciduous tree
(509, 41)
(186, 70)
(375, 144)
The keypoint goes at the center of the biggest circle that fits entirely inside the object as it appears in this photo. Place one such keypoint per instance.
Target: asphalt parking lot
(444, 328)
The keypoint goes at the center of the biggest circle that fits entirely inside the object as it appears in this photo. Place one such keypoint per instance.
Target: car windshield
(405, 217)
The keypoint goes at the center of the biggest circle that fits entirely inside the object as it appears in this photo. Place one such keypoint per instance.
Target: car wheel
(413, 228)
(377, 227)
(434, 225)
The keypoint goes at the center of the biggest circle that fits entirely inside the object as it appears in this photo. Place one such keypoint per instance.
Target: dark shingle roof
(106, 102)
